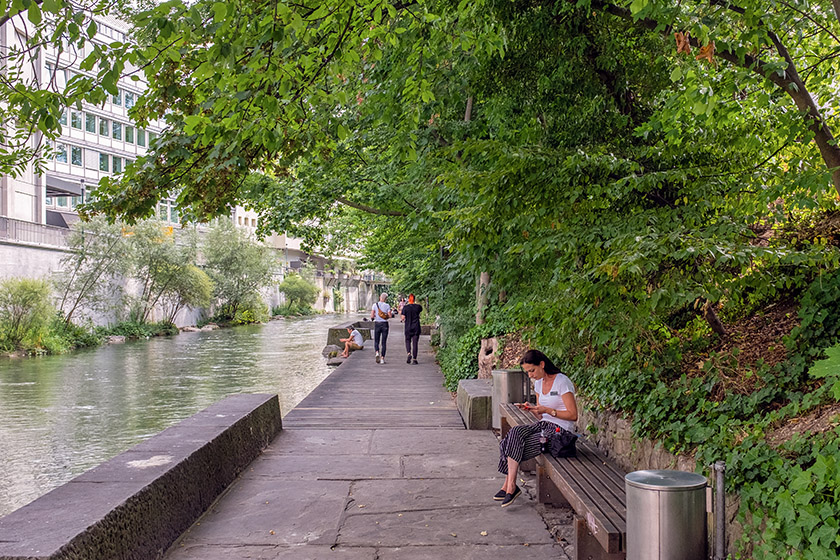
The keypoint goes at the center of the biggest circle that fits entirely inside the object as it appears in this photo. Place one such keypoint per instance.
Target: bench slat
(587, 503)
(595, 464)
(605, 507)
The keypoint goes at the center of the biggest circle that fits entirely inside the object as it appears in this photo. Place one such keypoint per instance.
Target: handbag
(381, 314)
(562, 443)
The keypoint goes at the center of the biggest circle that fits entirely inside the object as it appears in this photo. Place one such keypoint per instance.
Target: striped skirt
(521, 443)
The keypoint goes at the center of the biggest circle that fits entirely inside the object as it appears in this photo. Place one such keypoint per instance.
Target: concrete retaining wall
(135, 505)
(334, 334)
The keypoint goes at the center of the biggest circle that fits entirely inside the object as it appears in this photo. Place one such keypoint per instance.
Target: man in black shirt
(411, 313)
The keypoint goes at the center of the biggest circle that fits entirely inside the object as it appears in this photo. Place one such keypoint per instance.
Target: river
(62, 415)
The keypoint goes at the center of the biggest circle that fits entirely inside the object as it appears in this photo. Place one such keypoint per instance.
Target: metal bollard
(666, 515)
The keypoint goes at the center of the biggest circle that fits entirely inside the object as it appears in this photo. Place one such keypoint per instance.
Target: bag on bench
(562, 443)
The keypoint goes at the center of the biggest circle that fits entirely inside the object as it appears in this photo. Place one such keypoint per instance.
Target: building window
(62, 202)
(62, 119)
(76, 119)
(103, 127)
(141, 137)
(61, 153)
(117, 129)
(48, 200)
(117, 165)
(152, 138)
(173, 213)
(90, 123)
(117, 99)
(75, 155)
(129, 134)
(253, 222)
(129, 100)
(103, 162)
(239, 218)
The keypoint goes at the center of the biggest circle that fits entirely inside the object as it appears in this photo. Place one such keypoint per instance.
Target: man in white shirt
(380, 313)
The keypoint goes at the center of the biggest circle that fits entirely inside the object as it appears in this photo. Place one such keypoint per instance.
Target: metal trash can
(666, 515)
(508, 387)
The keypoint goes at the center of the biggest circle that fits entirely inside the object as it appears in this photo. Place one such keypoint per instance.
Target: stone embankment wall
(137, 504)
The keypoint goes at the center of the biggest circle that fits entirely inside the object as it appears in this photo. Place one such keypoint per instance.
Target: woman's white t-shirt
(554, 399)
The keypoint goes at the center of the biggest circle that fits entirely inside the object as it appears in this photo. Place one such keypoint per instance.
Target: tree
(299, 293)
(192, 287)
(158, 263)
(238, 266)
(89, 273)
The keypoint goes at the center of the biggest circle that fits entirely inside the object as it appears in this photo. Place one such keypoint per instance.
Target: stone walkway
(374, 464)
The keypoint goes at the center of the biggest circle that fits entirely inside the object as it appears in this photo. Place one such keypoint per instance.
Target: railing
(29, 232)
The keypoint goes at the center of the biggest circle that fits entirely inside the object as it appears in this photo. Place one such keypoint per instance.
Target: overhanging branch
(368, 209)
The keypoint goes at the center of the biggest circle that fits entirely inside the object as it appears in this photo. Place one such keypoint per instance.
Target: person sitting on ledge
(556, 406)
(352, 342)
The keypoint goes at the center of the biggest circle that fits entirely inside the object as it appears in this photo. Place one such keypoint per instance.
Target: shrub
(25, 313)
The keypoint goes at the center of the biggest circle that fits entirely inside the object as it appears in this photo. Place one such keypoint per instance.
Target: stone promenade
(374, 464)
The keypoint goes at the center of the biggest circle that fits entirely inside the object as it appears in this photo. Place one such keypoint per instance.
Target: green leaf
(34, 13)
(676, 74)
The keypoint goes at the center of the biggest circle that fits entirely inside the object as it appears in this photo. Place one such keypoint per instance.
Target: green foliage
(138, 329)
(238, 267)
(190, 287)
(252, 310)
(299, 293)
(25, 313)
(88, 278)
(459, 359)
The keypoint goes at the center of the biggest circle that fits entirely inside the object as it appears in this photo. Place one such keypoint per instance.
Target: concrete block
(474, 403)
(135, 505)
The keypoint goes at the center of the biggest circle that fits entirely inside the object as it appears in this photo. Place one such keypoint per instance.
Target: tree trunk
(481, 297)
(712, 318)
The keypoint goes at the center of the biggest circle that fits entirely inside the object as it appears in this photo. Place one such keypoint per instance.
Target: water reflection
(61, 415)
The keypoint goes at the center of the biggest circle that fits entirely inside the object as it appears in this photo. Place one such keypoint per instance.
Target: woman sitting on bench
(556, 406)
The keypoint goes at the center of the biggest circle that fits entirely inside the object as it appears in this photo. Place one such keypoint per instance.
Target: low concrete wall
(474, 403)
(135, 505)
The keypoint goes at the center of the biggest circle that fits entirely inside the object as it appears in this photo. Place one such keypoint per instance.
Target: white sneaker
(377, 357)
(382, 360)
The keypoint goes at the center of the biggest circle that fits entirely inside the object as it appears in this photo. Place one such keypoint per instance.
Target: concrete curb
(138, 503)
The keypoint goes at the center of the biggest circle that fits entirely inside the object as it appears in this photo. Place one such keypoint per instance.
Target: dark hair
(534, 357)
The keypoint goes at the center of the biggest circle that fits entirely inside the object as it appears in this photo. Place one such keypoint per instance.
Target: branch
(368, 209)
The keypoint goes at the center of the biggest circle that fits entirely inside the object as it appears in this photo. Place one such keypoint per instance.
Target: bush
(299, 293)
(137, 329)
(25, 313)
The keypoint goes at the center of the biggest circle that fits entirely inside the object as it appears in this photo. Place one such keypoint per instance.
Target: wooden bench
(591, 484)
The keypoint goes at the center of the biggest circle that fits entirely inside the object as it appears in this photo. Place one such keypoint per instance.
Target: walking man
(380, 313)
(411, 314)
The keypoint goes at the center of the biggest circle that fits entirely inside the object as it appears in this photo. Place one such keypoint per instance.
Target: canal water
(62, 415)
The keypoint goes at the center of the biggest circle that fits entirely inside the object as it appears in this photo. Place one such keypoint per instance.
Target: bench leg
(588, 548)
(505, 426)
(547, 492)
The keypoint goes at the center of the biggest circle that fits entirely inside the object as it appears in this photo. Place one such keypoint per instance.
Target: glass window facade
(76, 119)
(129, 134)
(103, 162)
(103, 127)
(75, 155)
(117, 130)
(90, 123)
